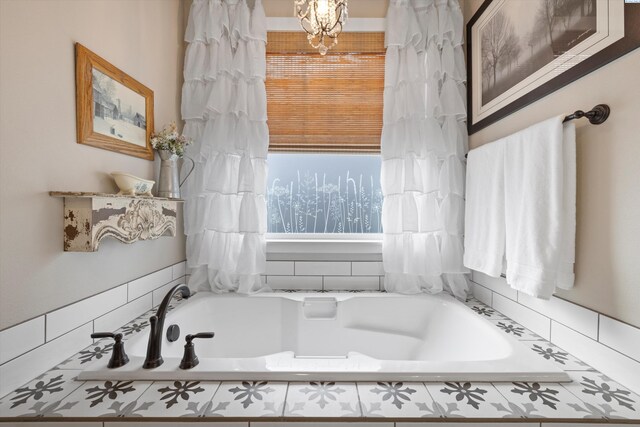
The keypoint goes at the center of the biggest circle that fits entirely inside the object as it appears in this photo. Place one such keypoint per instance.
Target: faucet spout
(154, 347)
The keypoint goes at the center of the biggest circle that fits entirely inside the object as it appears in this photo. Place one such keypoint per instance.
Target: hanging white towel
(566, 277)
(484, 221)
(540, 207)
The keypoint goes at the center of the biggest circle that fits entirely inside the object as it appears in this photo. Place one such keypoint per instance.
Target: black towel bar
(597, 115)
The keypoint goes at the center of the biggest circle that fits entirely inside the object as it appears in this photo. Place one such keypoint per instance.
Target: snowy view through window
(324, 193)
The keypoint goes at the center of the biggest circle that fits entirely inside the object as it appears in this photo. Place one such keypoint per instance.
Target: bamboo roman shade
(329, 103)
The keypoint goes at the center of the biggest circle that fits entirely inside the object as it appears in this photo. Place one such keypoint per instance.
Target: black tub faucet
(154, 348)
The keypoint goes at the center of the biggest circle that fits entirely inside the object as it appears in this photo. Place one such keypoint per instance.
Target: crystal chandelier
(322, 20)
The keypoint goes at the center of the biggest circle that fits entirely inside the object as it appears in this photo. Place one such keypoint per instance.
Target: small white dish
(131, 185)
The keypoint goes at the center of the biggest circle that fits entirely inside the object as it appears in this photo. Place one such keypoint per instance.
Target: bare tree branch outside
(524, 36)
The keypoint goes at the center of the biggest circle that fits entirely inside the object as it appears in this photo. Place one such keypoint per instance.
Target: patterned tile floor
(590, 397)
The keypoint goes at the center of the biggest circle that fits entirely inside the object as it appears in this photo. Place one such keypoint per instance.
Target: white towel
(484, 220)
(539, 205)
(566, 277)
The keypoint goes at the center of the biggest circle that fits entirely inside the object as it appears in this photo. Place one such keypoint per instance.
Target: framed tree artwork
(520, 51)
(113, 110)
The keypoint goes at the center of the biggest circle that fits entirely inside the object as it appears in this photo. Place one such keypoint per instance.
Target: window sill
(324, 247)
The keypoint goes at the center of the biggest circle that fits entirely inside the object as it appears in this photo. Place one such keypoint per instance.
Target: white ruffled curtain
(224, 107)
(423, 146)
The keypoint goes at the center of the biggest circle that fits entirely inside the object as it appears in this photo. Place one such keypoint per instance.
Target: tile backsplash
(34, 346)
(607, 344)
(325, 275)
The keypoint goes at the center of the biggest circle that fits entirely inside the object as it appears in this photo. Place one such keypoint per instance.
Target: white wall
(608, 206)
(38, 149)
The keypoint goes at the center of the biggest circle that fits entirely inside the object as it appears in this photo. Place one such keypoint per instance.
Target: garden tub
(334, 337)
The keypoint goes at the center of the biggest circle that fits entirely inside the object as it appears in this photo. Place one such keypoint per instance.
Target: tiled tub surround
(606, 344)
(592, 397)
(334, 337)
(325, 275)
(38, 344)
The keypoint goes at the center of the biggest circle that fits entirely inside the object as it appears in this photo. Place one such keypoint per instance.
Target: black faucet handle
(118, 356)
(117, 337)
(191, 337)
(190, 360)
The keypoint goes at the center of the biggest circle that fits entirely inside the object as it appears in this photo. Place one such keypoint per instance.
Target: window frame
(325, 246)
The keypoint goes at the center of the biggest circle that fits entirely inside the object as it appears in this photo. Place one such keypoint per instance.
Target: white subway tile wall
(279, 268)
(496, 284)
(148, 283)
(367, 269)
(528, 318)
(21, 338)
(47, 340)
(481, 293)
(610, 362)
(81, 312)
(611, 346)
(325, 275)
(620, 336)
(578, 318)
(322, 268)
(179, 270)
(113, 320)
(159, 294)
(18, 371)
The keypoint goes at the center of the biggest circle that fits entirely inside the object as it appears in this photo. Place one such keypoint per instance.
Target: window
(325, 120)
(324, 193)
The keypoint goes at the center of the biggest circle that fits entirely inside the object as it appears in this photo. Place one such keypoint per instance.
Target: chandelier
(322, 20)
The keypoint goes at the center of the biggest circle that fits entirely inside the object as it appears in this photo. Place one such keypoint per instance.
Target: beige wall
(38, 149)
(608, 207)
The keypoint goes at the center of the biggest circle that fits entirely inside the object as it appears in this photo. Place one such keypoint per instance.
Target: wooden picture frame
(113, 110)
(578, 63)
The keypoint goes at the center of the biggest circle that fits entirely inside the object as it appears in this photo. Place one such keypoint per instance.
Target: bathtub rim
(545, 372)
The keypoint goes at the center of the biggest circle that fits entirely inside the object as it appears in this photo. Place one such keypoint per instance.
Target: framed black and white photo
(520, 51)
(114, 111)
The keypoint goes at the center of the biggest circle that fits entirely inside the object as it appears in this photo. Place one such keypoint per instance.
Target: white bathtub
(342, 336)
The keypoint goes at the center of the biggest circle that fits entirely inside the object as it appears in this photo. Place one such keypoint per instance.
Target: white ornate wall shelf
(90, 217)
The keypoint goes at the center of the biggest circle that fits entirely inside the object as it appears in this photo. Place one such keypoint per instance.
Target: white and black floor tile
(178, 398)
(41, 396)
(250, 399)
(488, 313)
(484, 310)
(563, 359)
(548, 400)
(396, 399)
(468, 400)
(322, 399)
(134, 327)
(98, 350)
(108, 399)
(516, 330)
(605, 395)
